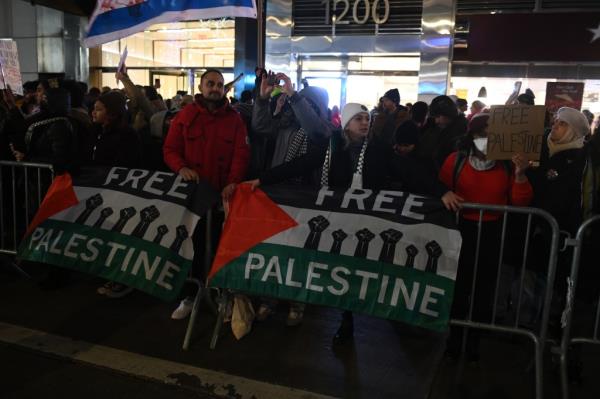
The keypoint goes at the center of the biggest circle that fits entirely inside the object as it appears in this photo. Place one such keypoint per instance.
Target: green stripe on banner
(129, 260)
(346, 282)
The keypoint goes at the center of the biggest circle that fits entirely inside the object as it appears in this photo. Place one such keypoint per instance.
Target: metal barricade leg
(223, 301)
(567, 317)
(192, 321)
(203, 293)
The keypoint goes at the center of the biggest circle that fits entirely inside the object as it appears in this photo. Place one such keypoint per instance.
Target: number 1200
(370, 10)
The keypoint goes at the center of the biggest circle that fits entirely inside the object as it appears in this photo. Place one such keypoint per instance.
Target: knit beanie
(393, 95)
(419, 111)
(350, 110)
(526, 98)
(318, 96)
(443, 106)
(407, 133)
(478, 123)
(114, 103)
(576, 120)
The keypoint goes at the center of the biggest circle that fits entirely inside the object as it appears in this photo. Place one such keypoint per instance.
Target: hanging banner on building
(131, 226)
(515, 128)
(115, 19)
(10, 71)
(388, 254)
(564, 94)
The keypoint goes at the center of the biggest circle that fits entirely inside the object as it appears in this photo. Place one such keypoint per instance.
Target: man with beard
(207, 140)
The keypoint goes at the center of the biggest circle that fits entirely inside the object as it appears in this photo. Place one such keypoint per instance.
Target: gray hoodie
(316, 127)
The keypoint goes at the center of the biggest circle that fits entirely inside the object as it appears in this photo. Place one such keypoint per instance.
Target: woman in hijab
(557, 181)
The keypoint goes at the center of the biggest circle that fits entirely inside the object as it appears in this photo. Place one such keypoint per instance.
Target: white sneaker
(183, 310)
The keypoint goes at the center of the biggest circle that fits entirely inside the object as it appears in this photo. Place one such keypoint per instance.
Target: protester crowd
(277, 134)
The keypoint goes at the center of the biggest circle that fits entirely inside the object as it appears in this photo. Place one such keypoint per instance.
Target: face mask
(481, 144)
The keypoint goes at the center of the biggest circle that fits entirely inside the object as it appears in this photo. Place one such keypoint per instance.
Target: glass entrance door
(169, 83)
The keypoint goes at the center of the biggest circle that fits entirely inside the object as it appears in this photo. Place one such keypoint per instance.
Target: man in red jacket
(208, 139)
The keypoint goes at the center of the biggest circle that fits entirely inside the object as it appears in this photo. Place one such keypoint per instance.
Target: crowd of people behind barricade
(276, 134)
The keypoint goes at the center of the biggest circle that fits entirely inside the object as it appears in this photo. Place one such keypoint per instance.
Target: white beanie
(350, 110)
(576, 120)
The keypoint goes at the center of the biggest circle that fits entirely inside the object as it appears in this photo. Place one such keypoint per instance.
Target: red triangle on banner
(253, 218)
(59, 197)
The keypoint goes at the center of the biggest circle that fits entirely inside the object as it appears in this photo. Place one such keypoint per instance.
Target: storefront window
(362, 78)
(168, 52)
(499, 89)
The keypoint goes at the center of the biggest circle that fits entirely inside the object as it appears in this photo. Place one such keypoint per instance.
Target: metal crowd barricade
(23, 186)
(203, 292)
(539, 333)
(22, 189)
(567, 340)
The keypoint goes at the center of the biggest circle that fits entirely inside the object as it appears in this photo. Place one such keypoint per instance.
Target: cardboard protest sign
(564, 94)
(515, 128)
(10, 71)
(515, 93)
(120, 67)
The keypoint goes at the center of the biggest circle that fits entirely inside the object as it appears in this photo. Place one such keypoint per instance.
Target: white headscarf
(579, 127)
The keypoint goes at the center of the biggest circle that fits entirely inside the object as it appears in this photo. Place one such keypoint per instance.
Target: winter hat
(478, 123)
(318, 96)
(393, 95)
(350, 110)
(114, 103)
(478, 104)
(576, 120)
(419, 111)
(407, 133)
(527, 98)
(443, 106)
(588, 114)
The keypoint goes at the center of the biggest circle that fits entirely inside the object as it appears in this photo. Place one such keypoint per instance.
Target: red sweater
(492, 186)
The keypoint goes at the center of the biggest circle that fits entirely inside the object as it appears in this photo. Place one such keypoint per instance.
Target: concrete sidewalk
(386, 360)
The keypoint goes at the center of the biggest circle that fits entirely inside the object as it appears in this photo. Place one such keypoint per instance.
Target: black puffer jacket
(557, 187)
(382, 169)
(436, 144)
(51, 140)
(114, 146)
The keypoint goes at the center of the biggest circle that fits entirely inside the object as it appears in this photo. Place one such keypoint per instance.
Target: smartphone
(272, 80)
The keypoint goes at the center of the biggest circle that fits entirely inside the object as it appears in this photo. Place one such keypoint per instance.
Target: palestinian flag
(131, 226)
(388, 254)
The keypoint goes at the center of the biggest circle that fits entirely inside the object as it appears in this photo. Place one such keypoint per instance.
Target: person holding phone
(299, 123)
